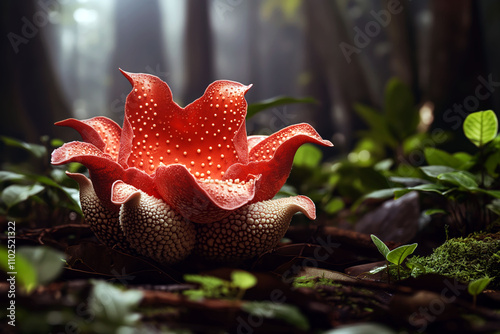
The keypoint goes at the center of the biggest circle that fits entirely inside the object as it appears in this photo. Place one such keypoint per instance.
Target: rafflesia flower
(174, 180)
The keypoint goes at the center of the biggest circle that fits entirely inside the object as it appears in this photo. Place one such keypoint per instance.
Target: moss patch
(314, 282)
(465, 259)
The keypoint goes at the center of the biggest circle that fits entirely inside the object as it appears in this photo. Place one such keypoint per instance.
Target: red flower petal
(102, 132)
(103, 170)
(207, 136)
(254, 140)
(122, 192)
(202, 201)
(273, 157)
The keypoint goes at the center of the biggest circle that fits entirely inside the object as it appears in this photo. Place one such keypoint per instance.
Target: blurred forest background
(60, 58)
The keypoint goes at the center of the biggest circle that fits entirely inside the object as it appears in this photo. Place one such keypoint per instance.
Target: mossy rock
(465, 259)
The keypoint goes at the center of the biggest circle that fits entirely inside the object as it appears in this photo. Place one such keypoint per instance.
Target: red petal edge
(102, 132)
(275, 168)
(207, 136)
(304, 205)
(202, 201)
(103, 170)
(254, 140)
(122, 193)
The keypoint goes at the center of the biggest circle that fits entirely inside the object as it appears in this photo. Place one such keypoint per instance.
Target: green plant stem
(481, 157)
(388, 272)
(241, 293)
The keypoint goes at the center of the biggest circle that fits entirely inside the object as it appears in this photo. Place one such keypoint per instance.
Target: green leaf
(377, 123)
(431, 212)
(427, 187)
(243, 279)
(308, 156)
(11, 176)
(74, 196)
(381, 246)
(491, 164)
(376, 270)
(194, 294)
(56, 142)
(47, 262)
(112, 306)
(481, 127)
(478, 286)
(371, 116)
(492, 193)
(271, 310)
(376, 194)
(460, 179)
(362, 328)
(16, 193)
(400, 108)
(398, 255)
(38, 151)
(407, 181)
(255, 108)
(432, 187)
(372, 179)
(381, 194)
(26, 273)
(383, 165)
(462, 156)
(205, 280)
(494, 206)
(44, 180)
(435, 156)
(416, 268)
(334, 205)
(434, 171)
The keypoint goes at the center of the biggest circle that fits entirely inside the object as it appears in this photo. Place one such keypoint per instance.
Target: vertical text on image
(11, 265)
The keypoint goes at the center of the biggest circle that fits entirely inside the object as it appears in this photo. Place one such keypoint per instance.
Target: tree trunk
(31, 97)
(342, 78)
(197, 50)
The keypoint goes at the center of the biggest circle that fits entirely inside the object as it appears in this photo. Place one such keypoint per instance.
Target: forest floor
(333, 289)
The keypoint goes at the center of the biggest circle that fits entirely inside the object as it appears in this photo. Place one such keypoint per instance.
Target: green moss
(465, 259)
(313, 282)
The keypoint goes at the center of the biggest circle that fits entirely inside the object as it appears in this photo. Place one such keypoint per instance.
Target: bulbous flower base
(250, 230)
(146, 225)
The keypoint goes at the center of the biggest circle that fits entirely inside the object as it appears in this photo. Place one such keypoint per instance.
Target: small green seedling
(395, 256)
(481, 127)
(478, 286)
(214, 287)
